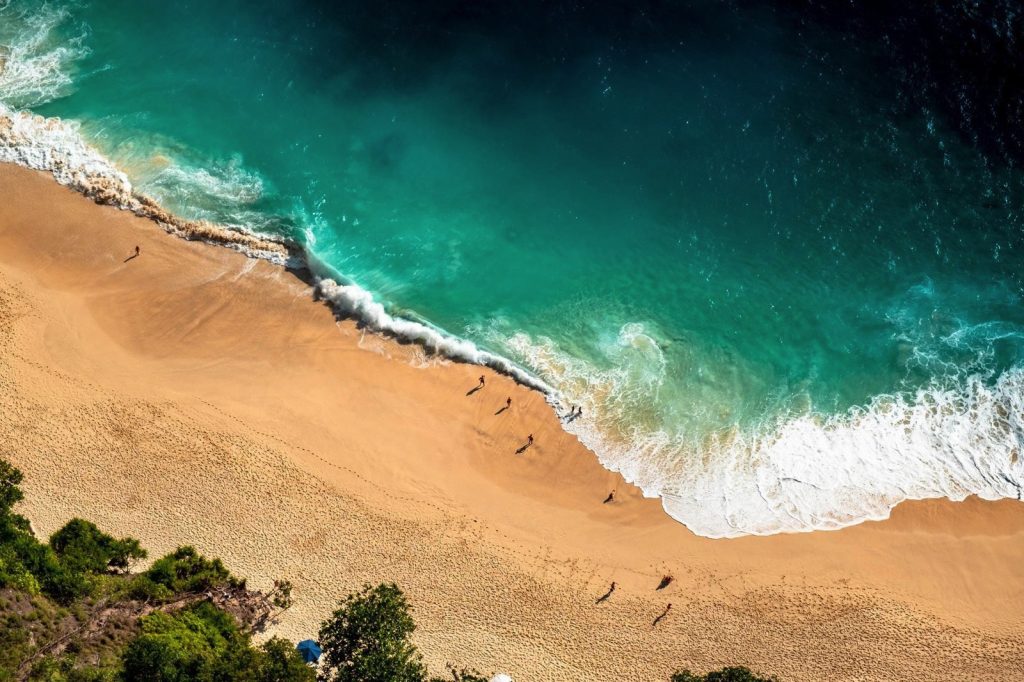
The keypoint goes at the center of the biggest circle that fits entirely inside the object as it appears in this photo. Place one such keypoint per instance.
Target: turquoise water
(785, 298)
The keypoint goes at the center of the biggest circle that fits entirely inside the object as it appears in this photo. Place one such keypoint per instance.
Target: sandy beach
(192, 395)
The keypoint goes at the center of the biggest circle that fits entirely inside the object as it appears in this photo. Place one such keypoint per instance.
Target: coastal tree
(202, 642)
(11, 524)
(83, 547)
(367, 639)
(10, 492)
(281, 662)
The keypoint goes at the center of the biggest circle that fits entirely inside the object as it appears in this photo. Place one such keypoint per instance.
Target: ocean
(774, 250)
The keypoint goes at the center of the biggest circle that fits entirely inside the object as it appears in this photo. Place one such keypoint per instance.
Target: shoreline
(56, 147)
(195, 395)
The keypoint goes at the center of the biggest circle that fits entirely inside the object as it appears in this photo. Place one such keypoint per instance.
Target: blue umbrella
(310, 650)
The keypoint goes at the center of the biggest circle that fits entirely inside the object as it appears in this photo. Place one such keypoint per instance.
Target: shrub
(56, 580)
(13, 572)
(185, 646)
(144, 589)
(204, 643)
(367, 639)
(281, 662)
(730, 674)
(10, 493)
(186, 570)
(84, 548)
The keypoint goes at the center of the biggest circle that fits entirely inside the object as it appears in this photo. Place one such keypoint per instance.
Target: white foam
(353, 301)
(812, 473)
(56, 146)
(229, 182)
(802, 474)
(797, 475)
(34, 63)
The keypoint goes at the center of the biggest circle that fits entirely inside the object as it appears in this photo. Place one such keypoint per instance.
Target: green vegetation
(731, 674)
(183, 571)
(83, 548)
(202, 642)
(71, 611)
(367, 639)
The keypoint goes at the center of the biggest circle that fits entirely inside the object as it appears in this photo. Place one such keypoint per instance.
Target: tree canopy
(730, 674)
(367, 639)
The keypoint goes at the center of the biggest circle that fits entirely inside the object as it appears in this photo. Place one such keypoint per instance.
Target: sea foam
(57, 146)
(35, 63)
(798, 474)
(951, 439)
(804, 474)
(351, 300)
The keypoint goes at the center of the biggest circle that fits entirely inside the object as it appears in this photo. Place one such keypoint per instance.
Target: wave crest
(57, 147)
(35, 62)
(351, 300)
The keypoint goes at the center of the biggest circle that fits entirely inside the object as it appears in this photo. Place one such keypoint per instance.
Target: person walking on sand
(481, 384)
(529, 439)
(508, 403)
(137, 251)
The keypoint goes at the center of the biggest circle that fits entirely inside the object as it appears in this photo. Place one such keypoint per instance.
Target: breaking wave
(952, 438)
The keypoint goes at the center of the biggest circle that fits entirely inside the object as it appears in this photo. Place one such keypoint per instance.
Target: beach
(192, 395)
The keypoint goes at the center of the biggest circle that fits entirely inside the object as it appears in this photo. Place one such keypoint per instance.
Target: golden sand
(192, 395)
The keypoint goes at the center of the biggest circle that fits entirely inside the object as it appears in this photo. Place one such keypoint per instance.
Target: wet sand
(195, 396)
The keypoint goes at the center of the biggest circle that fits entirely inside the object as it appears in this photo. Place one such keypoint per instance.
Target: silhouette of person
(529, 439)
(508, 402)
(137, 250)
(610, 498)
(481, 380)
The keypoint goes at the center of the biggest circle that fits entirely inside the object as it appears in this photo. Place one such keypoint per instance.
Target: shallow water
(786, 290)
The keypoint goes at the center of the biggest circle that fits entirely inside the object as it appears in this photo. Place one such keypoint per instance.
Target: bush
(56, 580)
(10, 492)
(367, 639)
(84, 548)
(186, 646)
(730, 674)
(281, 662)
(144, 589)
(186, 570)
(14, 574)
(204, 643)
